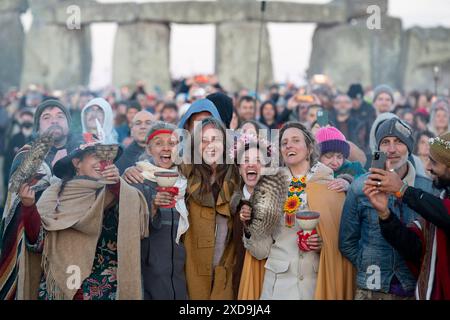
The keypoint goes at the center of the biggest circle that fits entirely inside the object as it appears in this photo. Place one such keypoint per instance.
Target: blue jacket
(197, 107)
(361, 241)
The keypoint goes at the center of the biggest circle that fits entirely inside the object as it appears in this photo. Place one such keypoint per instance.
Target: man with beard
(53, 118)
(140, 125)
(382, 273)
(99, 111)
(426, 242)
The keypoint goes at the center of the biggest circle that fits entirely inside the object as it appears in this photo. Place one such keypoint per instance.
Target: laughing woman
(210, 251)
(89, 233)
(249, 272)
(298, 267)
(163, 254)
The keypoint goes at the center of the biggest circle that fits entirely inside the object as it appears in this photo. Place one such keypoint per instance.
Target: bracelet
(399, 193)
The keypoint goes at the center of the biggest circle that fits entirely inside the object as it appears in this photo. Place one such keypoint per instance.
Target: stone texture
(141, 52)
(13, 5)
(57, 57)
(11, 39)
(237, 52)
(424, 49)
(93, 12)
(329, 13)
(353, 53)
(195, 12)
(358, 8)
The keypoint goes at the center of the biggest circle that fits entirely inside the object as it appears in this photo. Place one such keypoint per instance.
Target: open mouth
(211, 153)
(165, 158)
(252, 175)
(291, 154)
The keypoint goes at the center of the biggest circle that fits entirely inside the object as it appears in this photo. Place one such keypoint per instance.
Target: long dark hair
(203, 170)
(261, 118)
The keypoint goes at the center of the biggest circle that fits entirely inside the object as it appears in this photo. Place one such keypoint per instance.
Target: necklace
(296, 199)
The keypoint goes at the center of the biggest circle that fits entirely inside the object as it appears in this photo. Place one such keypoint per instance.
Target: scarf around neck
(149, 170)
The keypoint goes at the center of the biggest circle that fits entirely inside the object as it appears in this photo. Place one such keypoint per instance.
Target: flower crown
(439, 141)
(246, 140)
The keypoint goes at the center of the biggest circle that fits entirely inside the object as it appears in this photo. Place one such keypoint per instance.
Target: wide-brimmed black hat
(64, 167)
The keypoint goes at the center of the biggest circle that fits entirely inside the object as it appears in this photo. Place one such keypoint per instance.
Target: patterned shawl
(72, 234)
(13, 241)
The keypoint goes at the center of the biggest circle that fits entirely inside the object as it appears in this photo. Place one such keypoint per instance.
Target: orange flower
(303, 179)
(292, 203)
(294, 179)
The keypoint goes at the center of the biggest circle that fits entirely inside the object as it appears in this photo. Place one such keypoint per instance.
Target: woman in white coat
(291, 273)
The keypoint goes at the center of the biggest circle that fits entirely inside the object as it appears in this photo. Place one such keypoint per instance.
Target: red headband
(157, 132)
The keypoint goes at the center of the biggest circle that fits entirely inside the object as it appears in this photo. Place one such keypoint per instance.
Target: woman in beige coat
(293, 274)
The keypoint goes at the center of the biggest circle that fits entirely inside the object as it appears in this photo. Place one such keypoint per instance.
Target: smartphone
(379, 160)
(322, 118)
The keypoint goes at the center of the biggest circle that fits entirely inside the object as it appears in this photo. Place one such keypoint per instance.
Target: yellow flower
(303, 179)
(294, 179)
(292, 203)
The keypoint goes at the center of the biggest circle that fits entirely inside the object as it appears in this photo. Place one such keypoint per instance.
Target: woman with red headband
(163, 254)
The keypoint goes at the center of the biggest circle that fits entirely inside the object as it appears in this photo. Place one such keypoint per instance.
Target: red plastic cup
(171, 190)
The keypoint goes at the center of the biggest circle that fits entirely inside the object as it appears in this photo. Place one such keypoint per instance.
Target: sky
(290, 43)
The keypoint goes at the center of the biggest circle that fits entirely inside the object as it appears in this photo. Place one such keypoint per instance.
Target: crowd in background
(353, 111)
(327, 140)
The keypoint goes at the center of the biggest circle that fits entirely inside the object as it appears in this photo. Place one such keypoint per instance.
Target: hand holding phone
(379, 160)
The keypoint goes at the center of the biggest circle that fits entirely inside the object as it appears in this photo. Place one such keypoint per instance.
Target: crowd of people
(225, 229)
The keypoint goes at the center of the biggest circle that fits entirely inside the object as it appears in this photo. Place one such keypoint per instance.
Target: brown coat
(204, 283)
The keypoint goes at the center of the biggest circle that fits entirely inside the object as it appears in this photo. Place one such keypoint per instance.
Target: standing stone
(57, 57)
(423, 50)
(237, 55)
(11, 40)
(141, 52)
(353, 53)
(13, 6)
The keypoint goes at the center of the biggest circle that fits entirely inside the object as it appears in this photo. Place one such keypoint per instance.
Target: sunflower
(292, 203)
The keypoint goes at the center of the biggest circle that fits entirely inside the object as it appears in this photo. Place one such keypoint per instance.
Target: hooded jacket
(108, 123)
(198, 106)
(417, 163)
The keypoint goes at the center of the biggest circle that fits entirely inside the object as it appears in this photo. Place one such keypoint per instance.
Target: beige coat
(290, 273)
